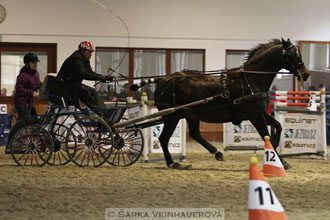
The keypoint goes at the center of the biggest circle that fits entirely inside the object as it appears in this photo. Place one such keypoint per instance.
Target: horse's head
(292, 60)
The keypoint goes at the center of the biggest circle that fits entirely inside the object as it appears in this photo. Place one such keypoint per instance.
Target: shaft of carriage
(156, 118)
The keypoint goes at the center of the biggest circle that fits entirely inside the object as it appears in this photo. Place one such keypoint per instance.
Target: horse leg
(276, 132)
(195, 134)
(168, 129)
(275, 138)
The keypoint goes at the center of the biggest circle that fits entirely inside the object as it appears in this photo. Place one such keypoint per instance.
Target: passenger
(124, 92)
(146, 88)
(322, 86)
(77, 68)
(27, 85)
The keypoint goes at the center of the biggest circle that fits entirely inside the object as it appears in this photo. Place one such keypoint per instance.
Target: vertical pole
(130, 69)
(183, 140)
(323, 125)
(224, 136)
(280, 118)
(145, 133)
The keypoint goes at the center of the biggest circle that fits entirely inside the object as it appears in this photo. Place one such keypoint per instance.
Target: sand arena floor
(70, 192)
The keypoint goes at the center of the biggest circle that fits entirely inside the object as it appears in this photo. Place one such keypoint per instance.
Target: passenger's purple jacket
(27, 82)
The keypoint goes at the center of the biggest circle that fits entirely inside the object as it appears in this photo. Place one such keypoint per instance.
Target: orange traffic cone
(263, 203)
(273, 166)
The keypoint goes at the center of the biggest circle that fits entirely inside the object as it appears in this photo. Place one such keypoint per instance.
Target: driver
(76, 68)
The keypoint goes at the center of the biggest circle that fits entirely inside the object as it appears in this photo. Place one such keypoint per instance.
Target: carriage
(229, 96)
(66, 133)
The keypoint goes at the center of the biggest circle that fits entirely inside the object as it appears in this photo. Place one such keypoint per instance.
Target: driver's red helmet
(86, 45)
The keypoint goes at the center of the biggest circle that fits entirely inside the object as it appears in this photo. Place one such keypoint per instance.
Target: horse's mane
(261, 47)
(187, 71)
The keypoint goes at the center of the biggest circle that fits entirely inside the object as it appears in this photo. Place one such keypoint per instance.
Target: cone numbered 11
(263, 203)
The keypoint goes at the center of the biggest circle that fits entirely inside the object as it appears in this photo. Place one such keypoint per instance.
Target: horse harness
(225, 93)
(245, 98)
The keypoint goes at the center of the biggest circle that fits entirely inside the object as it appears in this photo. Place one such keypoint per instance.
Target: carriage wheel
(89, 141)
(128, 147)
(59, 156)
(31, 145)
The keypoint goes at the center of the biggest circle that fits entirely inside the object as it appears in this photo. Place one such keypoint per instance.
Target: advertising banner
(242, 135)
(300, 132)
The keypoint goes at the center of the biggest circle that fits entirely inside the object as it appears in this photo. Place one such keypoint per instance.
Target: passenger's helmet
(31, 57)
(86, 45)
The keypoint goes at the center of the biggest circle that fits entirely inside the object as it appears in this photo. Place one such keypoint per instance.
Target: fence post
(145, 133)
(323, 109)
(183, 153)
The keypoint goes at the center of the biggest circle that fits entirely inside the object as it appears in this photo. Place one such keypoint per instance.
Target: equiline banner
(301, 132)
(243, 135)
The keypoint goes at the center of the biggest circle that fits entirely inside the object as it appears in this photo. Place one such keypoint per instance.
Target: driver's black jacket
(75, 69)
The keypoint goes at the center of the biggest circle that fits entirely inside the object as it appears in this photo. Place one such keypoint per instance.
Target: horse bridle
(293, 68)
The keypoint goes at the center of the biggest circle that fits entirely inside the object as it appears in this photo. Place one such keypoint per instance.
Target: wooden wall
(210, 131)
(40, 105)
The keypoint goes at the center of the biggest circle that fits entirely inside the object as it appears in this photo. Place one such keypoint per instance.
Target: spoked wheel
(127, 148)
(31, 145)
(89, 141)
(59, 156)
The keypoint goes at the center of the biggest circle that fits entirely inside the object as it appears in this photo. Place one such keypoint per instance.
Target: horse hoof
(286, 165)
(178, 166)
(219, 156)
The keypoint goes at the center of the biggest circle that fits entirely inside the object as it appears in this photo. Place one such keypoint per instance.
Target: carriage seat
(55, 90)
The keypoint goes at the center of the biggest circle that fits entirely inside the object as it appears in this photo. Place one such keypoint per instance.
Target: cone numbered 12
(273, 166)
(271, 158)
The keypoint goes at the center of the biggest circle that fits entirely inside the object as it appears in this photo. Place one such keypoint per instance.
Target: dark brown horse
(241, 95)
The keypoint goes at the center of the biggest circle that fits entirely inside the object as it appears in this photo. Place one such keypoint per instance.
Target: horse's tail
(135, 87)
